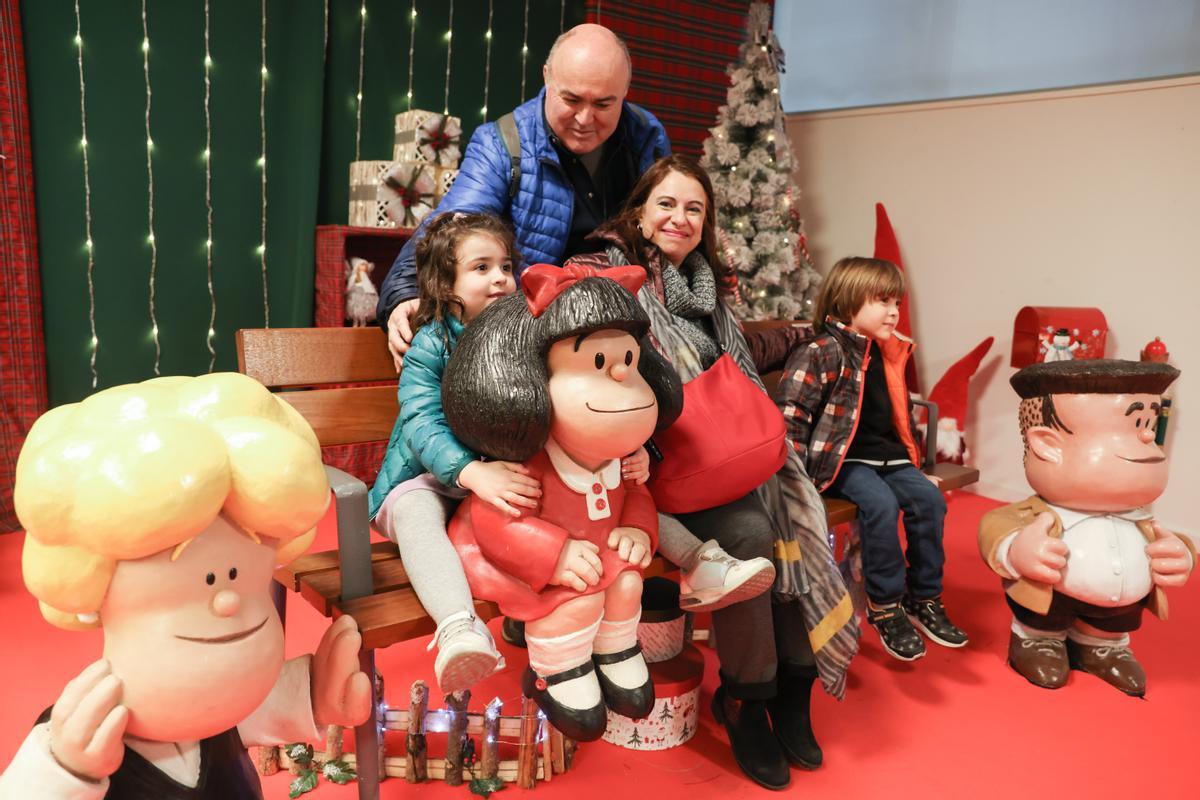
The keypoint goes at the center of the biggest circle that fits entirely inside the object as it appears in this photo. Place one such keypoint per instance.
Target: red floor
(957, 724)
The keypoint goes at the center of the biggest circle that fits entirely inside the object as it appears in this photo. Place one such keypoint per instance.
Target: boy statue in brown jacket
(1081, 558)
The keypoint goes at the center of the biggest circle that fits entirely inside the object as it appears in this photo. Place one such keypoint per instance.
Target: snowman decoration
(1059, 346)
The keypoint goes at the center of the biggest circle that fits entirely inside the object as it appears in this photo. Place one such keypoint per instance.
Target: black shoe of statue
(513, 631)
(791, 720)
(755, 747)
(897, 634)
(580, 724)
(930, 616)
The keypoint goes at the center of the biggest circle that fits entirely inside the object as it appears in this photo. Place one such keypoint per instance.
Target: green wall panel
(311, 109)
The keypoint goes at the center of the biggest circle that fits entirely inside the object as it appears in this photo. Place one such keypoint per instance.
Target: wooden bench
(320, 372)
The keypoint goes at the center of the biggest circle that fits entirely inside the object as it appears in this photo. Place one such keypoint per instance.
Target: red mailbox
(1045, 333)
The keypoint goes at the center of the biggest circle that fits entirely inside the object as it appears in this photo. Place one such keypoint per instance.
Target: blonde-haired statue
(159, 511)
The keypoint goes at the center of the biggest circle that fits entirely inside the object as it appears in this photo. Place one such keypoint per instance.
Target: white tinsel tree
(749, 160)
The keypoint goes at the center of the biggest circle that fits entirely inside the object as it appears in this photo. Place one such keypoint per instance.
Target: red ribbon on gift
(543, 283)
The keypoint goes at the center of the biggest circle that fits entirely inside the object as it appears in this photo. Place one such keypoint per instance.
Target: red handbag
(729, 439)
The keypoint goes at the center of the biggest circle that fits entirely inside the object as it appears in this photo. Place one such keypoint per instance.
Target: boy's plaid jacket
(821, 391)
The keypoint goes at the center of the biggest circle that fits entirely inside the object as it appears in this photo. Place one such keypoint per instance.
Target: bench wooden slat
(396, 616)
(955, 476)
(323, 589)
(347, 416)
(287, 357)
(291, 574)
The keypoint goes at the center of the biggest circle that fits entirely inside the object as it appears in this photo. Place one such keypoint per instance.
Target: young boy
(847, 410)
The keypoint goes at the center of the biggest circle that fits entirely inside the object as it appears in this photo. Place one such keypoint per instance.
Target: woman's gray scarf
(690, 298)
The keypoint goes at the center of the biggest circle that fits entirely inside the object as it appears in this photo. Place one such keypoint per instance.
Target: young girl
(849, 417)
(464, 264)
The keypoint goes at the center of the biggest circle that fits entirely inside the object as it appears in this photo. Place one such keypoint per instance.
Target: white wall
(1086, 197)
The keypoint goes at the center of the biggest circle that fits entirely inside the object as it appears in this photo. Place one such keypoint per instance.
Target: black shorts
(1064, 610)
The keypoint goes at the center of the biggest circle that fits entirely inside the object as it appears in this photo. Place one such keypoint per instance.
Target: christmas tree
(665, 714)
(635, 738)
(749, 160)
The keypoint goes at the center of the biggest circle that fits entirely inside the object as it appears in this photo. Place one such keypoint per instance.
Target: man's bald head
(589, 44)
(587, 76)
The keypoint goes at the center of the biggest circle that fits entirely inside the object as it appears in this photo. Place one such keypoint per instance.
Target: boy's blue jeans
(880, 496)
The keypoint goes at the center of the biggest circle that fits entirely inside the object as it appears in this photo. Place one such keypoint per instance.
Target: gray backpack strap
(512, 143)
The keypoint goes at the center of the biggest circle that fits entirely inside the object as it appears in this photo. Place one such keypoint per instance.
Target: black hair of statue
(494, 391)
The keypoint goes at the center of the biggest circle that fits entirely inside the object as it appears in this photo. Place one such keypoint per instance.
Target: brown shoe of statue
(1113, 664)
(1041, 661)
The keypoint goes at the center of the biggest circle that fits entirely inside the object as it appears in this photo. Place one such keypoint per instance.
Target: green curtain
(311, 112)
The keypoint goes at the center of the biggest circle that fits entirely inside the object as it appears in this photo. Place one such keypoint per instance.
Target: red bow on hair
(543, 283)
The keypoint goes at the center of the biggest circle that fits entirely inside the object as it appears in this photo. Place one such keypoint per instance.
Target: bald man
(582, 148)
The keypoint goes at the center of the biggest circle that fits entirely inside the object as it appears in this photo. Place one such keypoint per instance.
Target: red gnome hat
(887, 248)
(950, 394)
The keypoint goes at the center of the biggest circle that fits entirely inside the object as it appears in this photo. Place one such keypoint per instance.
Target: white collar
(178, 760)
(577, 478)
(1070, 517)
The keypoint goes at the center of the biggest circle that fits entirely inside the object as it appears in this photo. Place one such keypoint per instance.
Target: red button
(601, 505)
(597, 488)
(540, 684)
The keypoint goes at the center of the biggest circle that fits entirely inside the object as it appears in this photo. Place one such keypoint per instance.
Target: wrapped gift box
(444, 177)
(676, 709)
(407, 192)
(429, 138)
(661, 630)
(365, 209)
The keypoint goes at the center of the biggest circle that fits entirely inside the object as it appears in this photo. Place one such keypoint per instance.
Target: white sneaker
(466, 652)
(720, 580)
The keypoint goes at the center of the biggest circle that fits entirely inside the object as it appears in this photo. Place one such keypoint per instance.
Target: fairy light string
(487, 61)
(208, 242)
(449, 51)
(412, 42)
(87, 200)
(362, 38)
(524, 50)
(262, 163)
(150, 194)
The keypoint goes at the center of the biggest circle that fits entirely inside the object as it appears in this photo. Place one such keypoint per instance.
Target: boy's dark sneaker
(930, 616)
(896, 633)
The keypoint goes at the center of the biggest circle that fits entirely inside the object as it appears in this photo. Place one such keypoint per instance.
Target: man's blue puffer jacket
(540, 212)
(421, 436)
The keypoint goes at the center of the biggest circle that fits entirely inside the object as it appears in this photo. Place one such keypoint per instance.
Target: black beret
(1093, 376)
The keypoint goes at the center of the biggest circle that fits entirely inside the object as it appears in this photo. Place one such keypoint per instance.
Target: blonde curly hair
(138, 469)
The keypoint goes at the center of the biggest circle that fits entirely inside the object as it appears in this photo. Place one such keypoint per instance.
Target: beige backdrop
(1083, 197)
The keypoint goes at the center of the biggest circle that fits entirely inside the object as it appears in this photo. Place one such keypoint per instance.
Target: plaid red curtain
(680, 49)
(22, 345)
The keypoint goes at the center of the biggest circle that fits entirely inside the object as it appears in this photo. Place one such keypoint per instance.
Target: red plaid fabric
(680, 49)
(336, 244)
(22, 346)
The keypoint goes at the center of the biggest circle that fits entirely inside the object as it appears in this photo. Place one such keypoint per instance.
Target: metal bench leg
(367, 738)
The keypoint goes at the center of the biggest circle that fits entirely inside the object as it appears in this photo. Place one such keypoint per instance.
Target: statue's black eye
(628, 357)
(210, 579)
(599, 360)
(233, 574)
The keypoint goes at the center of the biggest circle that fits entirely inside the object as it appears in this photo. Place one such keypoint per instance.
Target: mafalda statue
(562, 379)
(1082, 558)
(158, 511)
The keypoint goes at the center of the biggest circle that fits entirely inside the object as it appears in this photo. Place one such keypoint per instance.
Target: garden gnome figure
(1082, 558)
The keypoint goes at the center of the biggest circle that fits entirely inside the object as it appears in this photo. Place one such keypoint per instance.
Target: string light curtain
(680, 49)
(233, 236)
(22, 351)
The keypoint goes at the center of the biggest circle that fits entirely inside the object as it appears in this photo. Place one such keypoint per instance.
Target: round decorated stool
(662, 629)
(676, 710)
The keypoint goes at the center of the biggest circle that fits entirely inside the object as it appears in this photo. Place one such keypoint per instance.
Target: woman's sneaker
(930, 616)
(897, 634)
(466, 652)
(719, 580)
